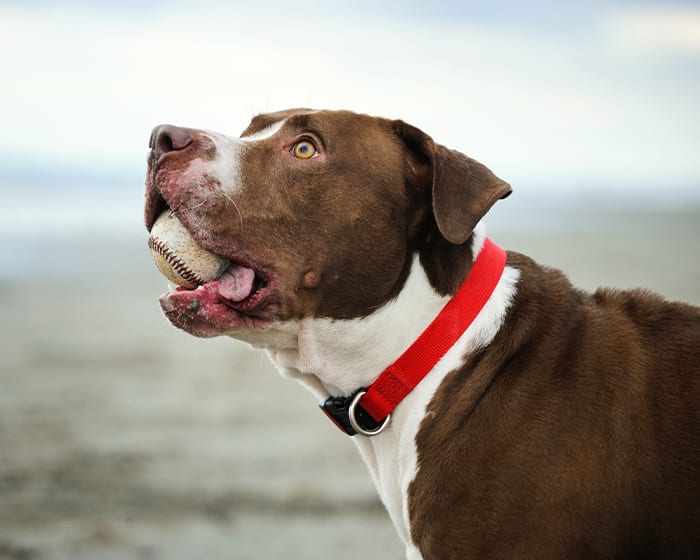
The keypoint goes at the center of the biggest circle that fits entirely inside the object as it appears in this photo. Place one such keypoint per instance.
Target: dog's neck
(336, 357)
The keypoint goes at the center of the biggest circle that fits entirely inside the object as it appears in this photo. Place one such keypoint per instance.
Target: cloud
(571, 106)
(656, 29)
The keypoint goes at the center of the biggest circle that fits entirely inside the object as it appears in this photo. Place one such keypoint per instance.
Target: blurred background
(121, 437)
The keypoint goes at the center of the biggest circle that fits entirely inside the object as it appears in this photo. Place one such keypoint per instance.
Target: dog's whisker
(175, 208)
(240, 216)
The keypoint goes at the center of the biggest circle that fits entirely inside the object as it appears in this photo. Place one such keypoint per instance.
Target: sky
(555, 97)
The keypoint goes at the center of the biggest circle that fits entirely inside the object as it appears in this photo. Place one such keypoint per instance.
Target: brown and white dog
(560, 424)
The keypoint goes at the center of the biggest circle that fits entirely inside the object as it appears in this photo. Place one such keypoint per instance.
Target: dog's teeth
(172, 287)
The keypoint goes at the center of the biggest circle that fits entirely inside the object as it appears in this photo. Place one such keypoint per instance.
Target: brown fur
(575, 434)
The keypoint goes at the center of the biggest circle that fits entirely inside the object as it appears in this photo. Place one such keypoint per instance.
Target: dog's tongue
(237, 283)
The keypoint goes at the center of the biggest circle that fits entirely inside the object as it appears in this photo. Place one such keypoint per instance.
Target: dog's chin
(204, 312)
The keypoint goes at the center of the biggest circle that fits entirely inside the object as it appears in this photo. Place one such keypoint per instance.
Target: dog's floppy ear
(463, 189)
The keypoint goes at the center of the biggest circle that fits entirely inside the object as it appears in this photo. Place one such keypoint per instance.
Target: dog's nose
(168, 138)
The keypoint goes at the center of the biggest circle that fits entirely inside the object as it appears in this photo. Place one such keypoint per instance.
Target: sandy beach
(121, 437)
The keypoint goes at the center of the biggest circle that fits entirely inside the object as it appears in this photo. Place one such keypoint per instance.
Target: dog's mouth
(242, 288)
(239, 299)
(239, 288)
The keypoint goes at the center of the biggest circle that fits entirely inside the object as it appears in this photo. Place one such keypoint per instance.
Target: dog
(502, 412)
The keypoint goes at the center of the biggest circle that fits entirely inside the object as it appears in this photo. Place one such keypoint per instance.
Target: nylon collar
(368, 410)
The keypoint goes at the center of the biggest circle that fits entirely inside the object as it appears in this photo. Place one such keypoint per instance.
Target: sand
(121, 437)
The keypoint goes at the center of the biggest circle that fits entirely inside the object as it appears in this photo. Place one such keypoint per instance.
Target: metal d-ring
(356, 425)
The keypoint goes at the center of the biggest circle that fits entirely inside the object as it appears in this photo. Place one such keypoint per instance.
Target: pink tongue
(237, 283)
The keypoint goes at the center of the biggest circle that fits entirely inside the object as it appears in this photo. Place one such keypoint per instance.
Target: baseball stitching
(174, 261)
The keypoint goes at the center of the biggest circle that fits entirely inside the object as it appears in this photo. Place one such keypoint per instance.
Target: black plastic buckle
(350, 417)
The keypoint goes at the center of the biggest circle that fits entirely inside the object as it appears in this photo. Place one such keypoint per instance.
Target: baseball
(178, 256)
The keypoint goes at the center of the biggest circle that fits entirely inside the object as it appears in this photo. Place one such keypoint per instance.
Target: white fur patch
(226, 165)
(265, 132)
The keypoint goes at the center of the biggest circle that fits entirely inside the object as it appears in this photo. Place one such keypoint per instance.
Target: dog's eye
(304, 149)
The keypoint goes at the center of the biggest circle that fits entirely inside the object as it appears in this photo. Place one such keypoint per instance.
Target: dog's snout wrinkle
(168, 138)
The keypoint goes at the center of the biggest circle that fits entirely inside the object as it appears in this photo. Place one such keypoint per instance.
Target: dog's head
(327, 208)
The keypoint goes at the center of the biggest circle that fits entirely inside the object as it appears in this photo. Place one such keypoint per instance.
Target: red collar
(367, 411)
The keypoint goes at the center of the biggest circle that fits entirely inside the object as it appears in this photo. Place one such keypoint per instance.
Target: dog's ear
(463, 189)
